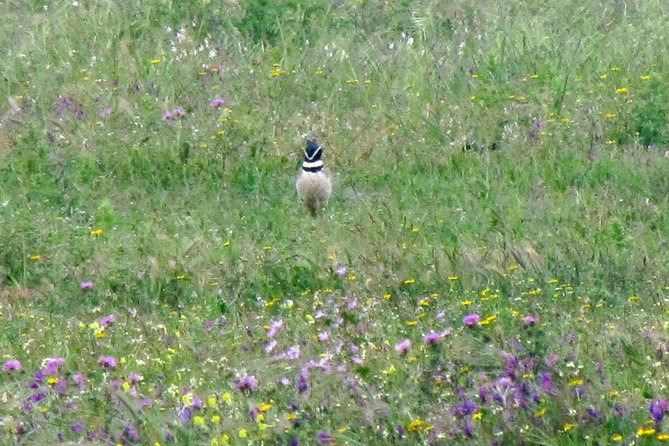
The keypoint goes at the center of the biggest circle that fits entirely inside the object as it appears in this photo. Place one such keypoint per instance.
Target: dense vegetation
(492, 267)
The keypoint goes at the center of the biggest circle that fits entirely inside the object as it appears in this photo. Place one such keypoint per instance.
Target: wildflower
(51, 365)
(617, 437)
(340, 270)
(167, 116)
(402, 346)
(107, 320)
(86, 285)
(105, 112)
(657, 409)
(471, 319)
(324, 438)
(12, 365)
(302, 384)
(645, 431)
(529, 320)
(217, 102)
(609, 116)
(247, 383)
(107, 362)
(323, 336)
(275, 326)
(621, 90)
(663, 437)
(179, 112)
(96, 232)
(431, 338)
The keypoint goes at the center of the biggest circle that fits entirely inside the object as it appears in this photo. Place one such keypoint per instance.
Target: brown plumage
(314, 182)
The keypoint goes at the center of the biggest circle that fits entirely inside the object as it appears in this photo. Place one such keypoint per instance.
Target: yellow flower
(265, 407)
(155, 61)
(243, 433)
(211, 401)
(52, 380)
(603, 76)
(609, 116)
(409, 281)
(466, 302)
(645, 78)
(414, 229)
(452, 278)
(215, 419)
(387, 296)
(540, 413)
(198, 420)
(568, 426)
(276, 72)
(96, 231)
(35, 257)
(415, 425)
(617, 437)
(645, 431)
(575, 382)
(663, 437)
(477, 416)
(621, 90)
(226, 398)
(633, 298)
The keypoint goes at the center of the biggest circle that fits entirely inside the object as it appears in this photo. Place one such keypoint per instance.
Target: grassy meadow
(492, 268)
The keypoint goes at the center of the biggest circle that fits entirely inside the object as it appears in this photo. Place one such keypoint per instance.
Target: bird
(314, 181)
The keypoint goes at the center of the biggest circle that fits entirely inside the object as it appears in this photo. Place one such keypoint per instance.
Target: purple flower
(86, 285)
(402, 346)
(77, 427)
(179, 112)
(431, 338)
(468, 430)
(274, 327)
(13, 365)
(51, 365)
(168, 116)
(657, 409)
(471, 319)
(104, 112)
(340, 270)
(323, 336)
(529, 320)
(217, 102)
(302, 384)
(130, 432)
(324, 438)
(247, 383)
(107, 320)
(108, 362)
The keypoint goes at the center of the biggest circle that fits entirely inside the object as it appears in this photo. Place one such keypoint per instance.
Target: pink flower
(431, 338)
(217, 102)
(13, 365)
(167, 117)
(87, 285)
(402, 346)
(108, 362)
(107, 320)
(471, 319)
(529, 320)
(323, 336)
(247, 383)
(274, 327)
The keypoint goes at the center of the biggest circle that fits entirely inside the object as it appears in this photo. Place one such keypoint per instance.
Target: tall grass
(500, 159)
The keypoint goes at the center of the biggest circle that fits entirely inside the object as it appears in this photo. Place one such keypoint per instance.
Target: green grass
(507, 160)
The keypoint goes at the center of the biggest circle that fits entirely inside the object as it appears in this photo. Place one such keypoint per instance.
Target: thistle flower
(471, 319)
(247, 383)
(431, 338)
(402, 346)
(274, 327)
(51, 365)
(302, 384)
(86, 285)
(107, 320)
(217, 102)
(529, 320)
(108, 362)
(13, 365)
